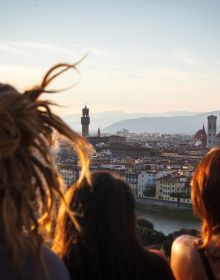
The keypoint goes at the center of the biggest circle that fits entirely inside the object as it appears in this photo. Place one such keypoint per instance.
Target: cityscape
(157, 166)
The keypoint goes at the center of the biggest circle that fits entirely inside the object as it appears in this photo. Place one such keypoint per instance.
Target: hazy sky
(145, 55)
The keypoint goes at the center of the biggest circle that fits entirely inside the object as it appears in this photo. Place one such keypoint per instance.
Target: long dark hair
(29, 179)
(107, 246)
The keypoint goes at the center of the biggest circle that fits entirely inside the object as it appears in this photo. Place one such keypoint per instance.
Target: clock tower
(85, 120)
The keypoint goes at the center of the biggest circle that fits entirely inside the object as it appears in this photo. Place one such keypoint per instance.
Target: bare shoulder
(185, 259)
(185, 244)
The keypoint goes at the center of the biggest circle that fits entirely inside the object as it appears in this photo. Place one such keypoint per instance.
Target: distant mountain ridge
(109, 118)
(173, 124)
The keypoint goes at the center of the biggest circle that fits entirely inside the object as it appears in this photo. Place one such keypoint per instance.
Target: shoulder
(184, 248)
(184, 251)
(184, 244)
(56, 268)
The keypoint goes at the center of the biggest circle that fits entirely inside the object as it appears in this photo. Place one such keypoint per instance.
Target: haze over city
(144, 56)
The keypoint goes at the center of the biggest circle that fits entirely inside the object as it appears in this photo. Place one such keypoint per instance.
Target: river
(169, 221)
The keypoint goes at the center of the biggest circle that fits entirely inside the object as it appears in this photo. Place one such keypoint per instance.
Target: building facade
(172, 190)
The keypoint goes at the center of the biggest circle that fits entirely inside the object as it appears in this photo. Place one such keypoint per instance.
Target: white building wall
(146, 179)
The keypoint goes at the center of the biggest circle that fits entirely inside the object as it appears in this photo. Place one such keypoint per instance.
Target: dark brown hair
(107, 245)
(205, 192)
(29, 179)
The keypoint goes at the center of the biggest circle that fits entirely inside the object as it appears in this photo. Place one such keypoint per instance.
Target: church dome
(200, 134)
(200, 137)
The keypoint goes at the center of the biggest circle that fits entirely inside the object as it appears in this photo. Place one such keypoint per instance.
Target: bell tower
(211, 131)
(85, 120)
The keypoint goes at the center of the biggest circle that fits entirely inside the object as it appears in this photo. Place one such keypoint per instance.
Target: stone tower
(211, 131)
(99, 133)
(85, 120)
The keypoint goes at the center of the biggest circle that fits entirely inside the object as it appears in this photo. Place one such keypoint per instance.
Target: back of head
(107, 246)
(109, 219)
(206, 193)
(29, 180)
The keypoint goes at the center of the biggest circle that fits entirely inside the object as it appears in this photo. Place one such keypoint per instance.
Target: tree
(145, 223)
(147, 233)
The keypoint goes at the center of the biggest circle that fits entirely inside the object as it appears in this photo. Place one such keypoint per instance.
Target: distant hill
(106, 119)
(178, 124)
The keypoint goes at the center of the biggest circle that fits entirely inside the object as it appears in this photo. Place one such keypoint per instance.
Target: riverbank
(168, 210)
(168, 219)
(152, 201)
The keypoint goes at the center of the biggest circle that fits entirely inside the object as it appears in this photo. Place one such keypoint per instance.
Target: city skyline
(144, 56)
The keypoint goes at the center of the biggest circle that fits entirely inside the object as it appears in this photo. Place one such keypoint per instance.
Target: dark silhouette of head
(29, 180)
(107, 246)
(205, 191)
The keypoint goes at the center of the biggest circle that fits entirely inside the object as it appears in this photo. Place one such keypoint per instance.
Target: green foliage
(149, 236)
(180, 195)
(145, 224)
(150, 192)
(168, 243)
(147, 233)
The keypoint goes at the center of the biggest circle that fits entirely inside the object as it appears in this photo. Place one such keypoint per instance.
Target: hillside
(178, 124)
(106, 119)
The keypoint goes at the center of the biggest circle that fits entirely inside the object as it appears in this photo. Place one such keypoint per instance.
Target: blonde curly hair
(29, 179)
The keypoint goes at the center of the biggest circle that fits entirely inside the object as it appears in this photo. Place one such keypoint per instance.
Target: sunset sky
(144, 55)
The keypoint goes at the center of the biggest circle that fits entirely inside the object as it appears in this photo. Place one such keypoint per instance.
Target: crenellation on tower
(99, 133)
(85, 121)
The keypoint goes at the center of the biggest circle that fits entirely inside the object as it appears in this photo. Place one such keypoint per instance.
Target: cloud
(107, 83)
(150, 89)
(26, 48)
(186, 57)
(7, 48)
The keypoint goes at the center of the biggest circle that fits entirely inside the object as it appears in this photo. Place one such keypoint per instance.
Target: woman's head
(108, 208)
(106, 215)
(28, 176)
(206, 193)
(105, 209)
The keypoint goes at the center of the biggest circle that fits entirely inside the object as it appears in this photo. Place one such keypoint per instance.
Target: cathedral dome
(200, 137)
(200, 134)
